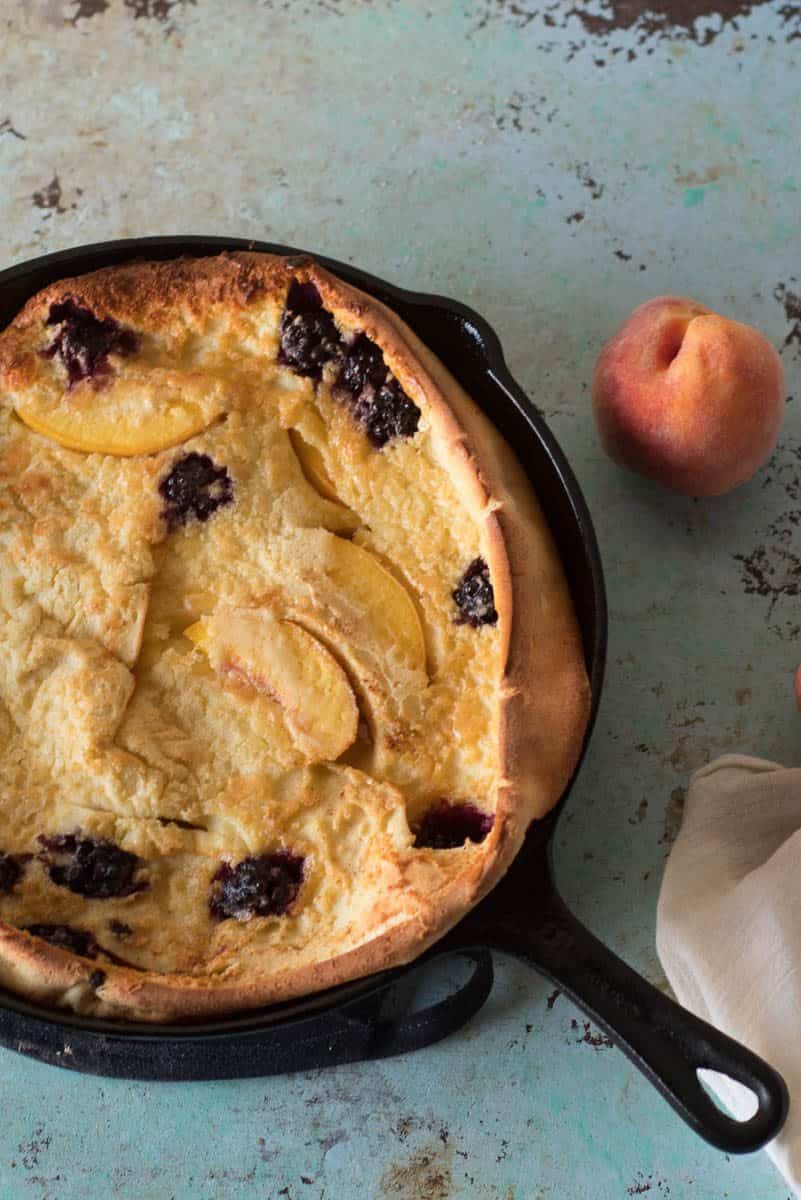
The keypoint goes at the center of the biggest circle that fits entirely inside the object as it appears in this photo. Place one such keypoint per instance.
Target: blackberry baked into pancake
(288, 662)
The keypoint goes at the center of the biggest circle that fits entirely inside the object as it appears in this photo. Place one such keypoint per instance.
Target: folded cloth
(729, 923)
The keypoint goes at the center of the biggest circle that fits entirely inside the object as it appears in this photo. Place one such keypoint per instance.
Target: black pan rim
(93, 256)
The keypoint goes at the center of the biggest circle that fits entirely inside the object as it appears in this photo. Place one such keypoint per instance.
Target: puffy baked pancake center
(249, 645)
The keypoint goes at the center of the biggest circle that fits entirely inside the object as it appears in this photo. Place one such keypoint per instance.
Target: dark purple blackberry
(262, 886)
(375, 397)
(363, 366)
(474, 596)
(447, 825)
(309, 336)
(11, 869)
(77, 941)
(84, 341)
(195, 487)
(90, 867)
(386, 414)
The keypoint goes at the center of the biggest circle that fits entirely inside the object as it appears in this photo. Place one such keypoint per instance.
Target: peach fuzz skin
(687, 397)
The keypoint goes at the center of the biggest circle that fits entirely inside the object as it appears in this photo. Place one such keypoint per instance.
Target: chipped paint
(648, 1184)
(160, 11)
(84, 10)
(585, 178)
(773, 571)
(791, 303)
(627, 28)
(589, 1036)
(523, 112)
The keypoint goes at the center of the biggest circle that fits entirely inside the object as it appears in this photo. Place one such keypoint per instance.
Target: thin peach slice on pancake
(138, 413)
(252, 649)
(344, 596)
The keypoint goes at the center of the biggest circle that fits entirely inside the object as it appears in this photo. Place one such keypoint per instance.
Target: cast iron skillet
(523, 916)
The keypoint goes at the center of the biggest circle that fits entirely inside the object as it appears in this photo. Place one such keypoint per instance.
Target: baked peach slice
(368, 620)
(137, 413)
(312, 464)
(252, 649)
(351, 591)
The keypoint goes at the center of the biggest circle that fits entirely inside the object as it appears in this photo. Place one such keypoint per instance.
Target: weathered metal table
(552, 164)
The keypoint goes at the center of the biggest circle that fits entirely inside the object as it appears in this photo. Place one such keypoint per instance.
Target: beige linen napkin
(729, 923)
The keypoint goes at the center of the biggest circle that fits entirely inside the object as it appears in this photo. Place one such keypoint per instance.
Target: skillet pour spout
(523, 916)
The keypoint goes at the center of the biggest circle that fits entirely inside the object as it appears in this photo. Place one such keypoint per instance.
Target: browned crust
(545, 697)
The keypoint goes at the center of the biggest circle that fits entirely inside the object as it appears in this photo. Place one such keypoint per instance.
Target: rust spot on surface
(772, 571)
(668, 18)
(791, 302)
(160, 11)
(598, 1040)
(676, 21)
(49, 198)
(426, 1173)
(707, 175)
(643, 1184)
(554, 996)
(525, 113)
(586, 180)
(405, 1126)
(85, 9)
(784, 467)
(34, 1148)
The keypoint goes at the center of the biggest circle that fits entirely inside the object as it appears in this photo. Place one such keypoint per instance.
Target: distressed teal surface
(552, 170)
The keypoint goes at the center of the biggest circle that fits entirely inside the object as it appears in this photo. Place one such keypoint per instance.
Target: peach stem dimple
(671, 341)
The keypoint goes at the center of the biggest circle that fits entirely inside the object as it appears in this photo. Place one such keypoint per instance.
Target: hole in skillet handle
(744, 1103)
(668, 1043)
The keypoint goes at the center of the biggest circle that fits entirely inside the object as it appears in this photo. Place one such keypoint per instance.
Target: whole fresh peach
(687, 397)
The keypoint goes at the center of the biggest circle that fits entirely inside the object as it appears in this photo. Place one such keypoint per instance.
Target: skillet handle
(666, 1042)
